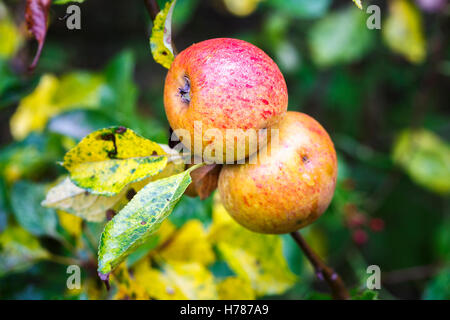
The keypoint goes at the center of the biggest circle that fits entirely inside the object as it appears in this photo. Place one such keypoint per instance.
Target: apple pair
(229, 84)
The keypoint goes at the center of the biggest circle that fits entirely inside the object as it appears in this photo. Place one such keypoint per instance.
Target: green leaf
(3, 206)
(29, 158)
(340, 37)
(301, 8)
(161, 38)
(366, 295)
(26, 200)
(438, 288)
(119, 96)
(19, 250)
(107, 160)
(139, 219)
(402, 31)
(257, 258)
(425, 157)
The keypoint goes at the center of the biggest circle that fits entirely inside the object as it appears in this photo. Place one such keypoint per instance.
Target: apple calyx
(185, 90)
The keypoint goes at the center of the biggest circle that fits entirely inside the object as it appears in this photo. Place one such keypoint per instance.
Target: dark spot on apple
(305, 158)
(185, 91)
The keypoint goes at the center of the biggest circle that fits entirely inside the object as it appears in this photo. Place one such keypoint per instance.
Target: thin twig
(323, 272)
(64, 260)
(152, 8)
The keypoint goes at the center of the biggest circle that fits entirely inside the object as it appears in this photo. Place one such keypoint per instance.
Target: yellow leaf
(358, 3)
(35, 109)
(402, 31)
(10, 35)
(234, 288)
(177, 281)
(241, 8)
(107, 160)
(257, 258)
(161, 38)
(72, 224)
(70, 198)
(127, 288)
(53, 96)
(190, 244)
(425, 157)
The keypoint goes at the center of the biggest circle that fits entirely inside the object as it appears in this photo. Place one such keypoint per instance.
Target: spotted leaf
(161, 38)
(107, 160)
(139, 219)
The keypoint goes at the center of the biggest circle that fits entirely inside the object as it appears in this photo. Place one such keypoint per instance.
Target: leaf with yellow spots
(234, 288)
(72, 224)
(403, 32)
(177, 281)
(358, 3)
(68, 197)
(107, 160)
(257, 258)
(53, 96)
(190, 244)
(140, 219)
(161, 38)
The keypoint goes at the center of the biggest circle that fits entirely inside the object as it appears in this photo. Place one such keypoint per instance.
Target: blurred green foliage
(381, 94)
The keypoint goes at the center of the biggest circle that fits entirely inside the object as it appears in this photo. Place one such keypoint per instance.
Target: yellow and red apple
(291, 183)
(223, 84)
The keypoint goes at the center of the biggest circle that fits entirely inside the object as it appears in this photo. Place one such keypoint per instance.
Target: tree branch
(323, 272)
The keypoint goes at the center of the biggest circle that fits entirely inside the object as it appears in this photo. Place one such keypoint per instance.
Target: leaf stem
(152, 8)
(323, 272)
(64, 260)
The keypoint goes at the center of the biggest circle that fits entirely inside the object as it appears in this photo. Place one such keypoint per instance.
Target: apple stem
(323, 272)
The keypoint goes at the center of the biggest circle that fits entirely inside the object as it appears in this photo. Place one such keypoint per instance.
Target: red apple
(223, 84)
(290, 185)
